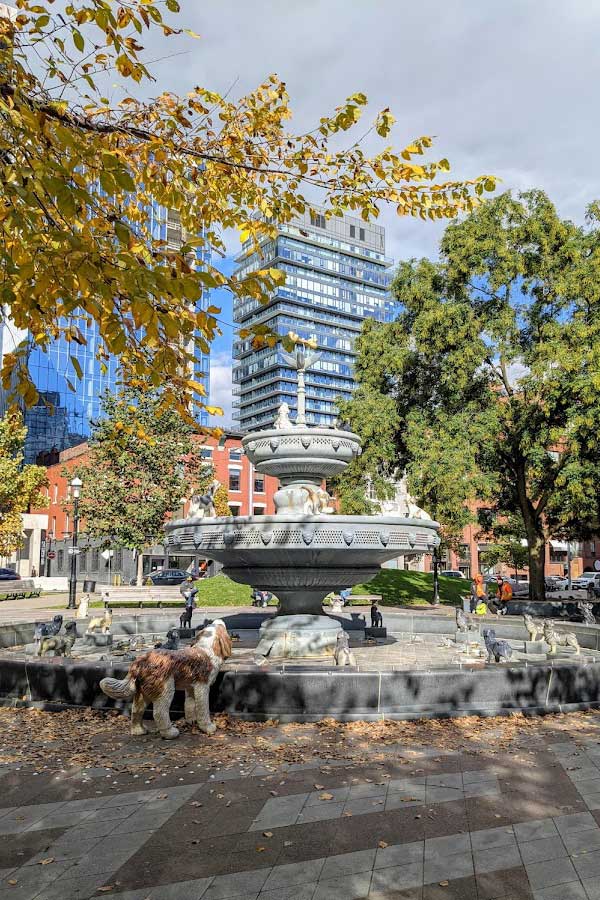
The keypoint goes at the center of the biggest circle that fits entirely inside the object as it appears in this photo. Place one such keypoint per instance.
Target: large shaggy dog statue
(154, 677)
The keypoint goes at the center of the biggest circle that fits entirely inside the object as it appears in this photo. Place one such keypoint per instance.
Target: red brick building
(250, 493)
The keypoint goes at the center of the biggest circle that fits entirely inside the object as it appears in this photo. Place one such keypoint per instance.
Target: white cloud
(505, 85)
(220, 388)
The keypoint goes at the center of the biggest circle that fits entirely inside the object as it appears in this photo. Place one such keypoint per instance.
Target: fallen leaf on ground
(47, 861)
(267, 834)
(260, 849)
(319, 787)
(326, 797)
(382, 844)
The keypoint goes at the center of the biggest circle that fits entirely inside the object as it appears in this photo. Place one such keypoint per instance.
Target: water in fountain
(304, 551)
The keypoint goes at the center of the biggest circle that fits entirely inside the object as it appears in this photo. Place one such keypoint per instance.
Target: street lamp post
(75, 491)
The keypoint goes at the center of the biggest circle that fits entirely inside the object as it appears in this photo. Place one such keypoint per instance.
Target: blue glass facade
(64, 413)
(337, 275)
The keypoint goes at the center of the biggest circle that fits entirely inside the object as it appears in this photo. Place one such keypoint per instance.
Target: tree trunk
(537, 562)
(140, 568)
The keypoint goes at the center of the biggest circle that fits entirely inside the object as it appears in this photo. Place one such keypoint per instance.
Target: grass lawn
(397, 588)
(401, 588)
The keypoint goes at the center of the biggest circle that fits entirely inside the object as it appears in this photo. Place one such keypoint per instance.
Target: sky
(508, 87)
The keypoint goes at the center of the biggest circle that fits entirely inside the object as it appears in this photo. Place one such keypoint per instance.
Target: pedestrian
(376, 617)
(33, 572)
(478, 592)
(345, 595)
(188, 591)
(506, 594)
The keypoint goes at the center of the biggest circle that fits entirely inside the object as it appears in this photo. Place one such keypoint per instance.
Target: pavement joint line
(288, 810)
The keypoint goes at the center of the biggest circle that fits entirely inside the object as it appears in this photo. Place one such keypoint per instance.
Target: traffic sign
(51, 554)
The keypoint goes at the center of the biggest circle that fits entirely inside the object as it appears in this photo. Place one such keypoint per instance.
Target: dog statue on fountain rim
(556, 638)
(533, 626)
(153, 678)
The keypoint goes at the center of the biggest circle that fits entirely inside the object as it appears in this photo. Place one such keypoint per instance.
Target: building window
(361, 234)
(235, 453)
(82, 564)
(352, 231)
(118, 559)
(95, 560)
(60, 559)
(206, 453)
(235, 509)
(317, 219)
(234, 481)
(66, 523)
(54, 527)
(259, 484)
(55, 498)
(258, 510)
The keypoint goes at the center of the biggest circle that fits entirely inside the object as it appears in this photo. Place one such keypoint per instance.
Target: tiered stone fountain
(305, 550)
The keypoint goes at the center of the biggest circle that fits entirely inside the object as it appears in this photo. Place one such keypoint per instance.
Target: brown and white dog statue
(154, 677)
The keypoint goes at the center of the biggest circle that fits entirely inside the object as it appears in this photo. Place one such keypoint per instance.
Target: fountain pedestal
(298, 637)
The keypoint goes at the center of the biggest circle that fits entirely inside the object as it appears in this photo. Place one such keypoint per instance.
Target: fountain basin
(301, 452)
(301, 559)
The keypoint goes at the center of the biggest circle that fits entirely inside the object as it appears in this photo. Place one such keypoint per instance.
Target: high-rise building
(67, 405)
(337, 275)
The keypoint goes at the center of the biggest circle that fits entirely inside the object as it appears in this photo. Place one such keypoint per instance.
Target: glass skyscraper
(63, 413)
(337, 274)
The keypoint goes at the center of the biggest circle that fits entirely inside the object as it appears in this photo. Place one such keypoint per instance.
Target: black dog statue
(47, 629)
(172, 641)
(498, 651)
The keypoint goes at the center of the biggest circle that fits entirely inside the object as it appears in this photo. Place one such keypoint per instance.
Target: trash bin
(89, 586)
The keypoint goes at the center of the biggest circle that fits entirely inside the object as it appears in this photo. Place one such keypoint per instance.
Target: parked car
(556, 583)
(166, 576)
(584, 580)
(9, 575)
(452, 573)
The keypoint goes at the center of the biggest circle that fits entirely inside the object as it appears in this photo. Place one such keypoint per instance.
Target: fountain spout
(301, 362)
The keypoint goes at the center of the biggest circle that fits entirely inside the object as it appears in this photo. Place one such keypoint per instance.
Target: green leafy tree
(141, 466)
(20, 486)
(80, 170)
(495, 350)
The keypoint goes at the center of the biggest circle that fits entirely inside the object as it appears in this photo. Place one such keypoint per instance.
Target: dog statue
(203, 505)
(46, 629)
(533, 626)
(282, 419)
(497, 651)
(62, 644)
(153, 678)
(101, 624)
(560, 638)
(172, 641)
(463, 621)
(587, 611)
(82, 609)
(343, 655)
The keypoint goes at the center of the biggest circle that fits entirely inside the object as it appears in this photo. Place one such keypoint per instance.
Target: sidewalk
(496, 808)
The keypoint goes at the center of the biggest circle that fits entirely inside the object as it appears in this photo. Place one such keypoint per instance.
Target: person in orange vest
(506, 594)
(478, 592)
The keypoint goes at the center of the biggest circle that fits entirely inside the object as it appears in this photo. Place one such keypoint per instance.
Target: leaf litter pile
(89, 738)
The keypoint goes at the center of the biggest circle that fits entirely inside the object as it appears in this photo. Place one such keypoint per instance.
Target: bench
(142, 596)
(22, 587)
(360, 599)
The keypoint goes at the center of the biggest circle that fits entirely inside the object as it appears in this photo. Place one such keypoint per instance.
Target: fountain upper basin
(302, 558)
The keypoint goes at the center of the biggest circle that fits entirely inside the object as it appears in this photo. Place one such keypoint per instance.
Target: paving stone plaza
(487, 809)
